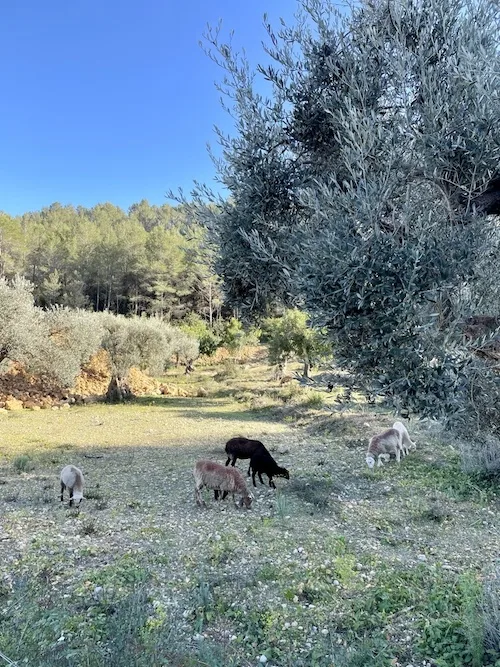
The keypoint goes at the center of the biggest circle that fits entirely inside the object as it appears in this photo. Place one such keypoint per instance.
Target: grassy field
(338, 567)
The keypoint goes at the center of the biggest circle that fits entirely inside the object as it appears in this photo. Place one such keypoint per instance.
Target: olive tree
(364, 186)
(23, 331)
(53, 343)
(73, 337)
(132, 342)
(290, 335)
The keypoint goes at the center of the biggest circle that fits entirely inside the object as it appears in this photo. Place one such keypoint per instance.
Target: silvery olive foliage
(23, 331)
(74, 336)
(53, 343)
(146, 343)
(363, 186)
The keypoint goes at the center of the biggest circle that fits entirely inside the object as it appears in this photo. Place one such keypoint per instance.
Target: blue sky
(112, 100)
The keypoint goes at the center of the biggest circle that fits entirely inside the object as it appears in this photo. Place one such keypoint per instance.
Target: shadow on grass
(194, 408)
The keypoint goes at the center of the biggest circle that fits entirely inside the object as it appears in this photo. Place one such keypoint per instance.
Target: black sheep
(242, 448)
(263, 463)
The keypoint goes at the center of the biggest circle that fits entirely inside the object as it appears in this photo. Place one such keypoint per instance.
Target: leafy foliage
(290, 335)
(360, 189)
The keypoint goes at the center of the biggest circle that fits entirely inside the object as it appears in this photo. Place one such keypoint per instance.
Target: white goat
(382, 446)
(72, 479)
(219, 478)
(406, 443)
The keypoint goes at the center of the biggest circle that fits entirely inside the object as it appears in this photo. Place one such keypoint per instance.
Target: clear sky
(112, 100)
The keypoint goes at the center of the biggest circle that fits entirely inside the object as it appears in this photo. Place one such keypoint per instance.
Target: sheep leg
(63, 486)
(228, 460)
(234, 460)
(253, 477)
(379, 460)
(216, 494)
(249, 468)
(224, 494)
(260, 477)
(70, 497)
(199, 500)
(398, 455)
(271, 483)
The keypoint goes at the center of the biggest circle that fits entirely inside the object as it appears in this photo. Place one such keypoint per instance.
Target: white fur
(72, 478)
(406, 443)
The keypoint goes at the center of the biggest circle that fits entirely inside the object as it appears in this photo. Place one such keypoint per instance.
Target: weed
(282, 506)
(220, 549)
(315, 491)
(101, 505)
(490, 611)
(314, 400)
(93, 493)
(23, 463)
(230, 371)
(437, 513)
(88, 527)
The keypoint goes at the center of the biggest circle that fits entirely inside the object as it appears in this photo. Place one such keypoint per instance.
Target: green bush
(23, 463)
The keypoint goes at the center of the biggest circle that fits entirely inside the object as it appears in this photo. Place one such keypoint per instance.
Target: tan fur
(382, 446)
(220, 478)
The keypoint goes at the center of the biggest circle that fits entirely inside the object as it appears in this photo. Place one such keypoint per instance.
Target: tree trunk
(307, 366)
(210, 303)
(118, 390)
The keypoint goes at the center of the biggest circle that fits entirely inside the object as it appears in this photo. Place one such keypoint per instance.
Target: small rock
(263, 659)
(13, 404)
(422, 557)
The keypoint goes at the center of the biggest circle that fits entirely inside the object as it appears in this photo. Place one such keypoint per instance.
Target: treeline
(147, 260)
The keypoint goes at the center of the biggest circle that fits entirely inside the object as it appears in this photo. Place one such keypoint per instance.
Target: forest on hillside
(149, 260)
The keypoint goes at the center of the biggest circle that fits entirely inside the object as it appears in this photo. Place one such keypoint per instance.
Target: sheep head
(370, 462)
(283, 472)
(246, 501)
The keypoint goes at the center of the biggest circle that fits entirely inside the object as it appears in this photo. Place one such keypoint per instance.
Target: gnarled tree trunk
(118, 390)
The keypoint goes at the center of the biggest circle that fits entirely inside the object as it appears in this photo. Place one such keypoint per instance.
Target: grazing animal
(220, 478)
(406, 443)
(72, 479)
(285, 379)
(242, 448)
(263, 463)
(382, 446)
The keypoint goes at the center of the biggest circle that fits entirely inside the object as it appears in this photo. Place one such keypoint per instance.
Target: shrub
(23, 463)
(230, 370)
(491, 612)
